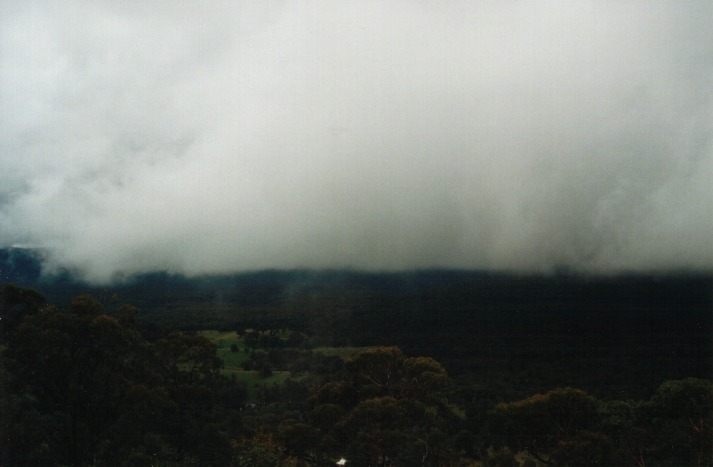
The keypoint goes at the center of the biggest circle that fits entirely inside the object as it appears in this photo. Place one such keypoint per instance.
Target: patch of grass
(253, 381)
(232, 361)
(211, 334)
(342, 352)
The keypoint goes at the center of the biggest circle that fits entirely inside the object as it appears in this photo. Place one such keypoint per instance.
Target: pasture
(233, 361)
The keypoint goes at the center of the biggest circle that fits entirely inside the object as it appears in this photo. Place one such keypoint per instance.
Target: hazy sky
(220, 136)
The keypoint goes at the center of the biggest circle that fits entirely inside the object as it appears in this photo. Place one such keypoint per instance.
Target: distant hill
(24, 267)
(613, 335)
(21, 266)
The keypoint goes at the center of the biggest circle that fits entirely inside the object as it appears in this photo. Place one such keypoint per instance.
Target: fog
(208, 137)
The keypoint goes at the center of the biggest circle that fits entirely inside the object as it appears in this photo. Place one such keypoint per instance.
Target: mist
(211, 137)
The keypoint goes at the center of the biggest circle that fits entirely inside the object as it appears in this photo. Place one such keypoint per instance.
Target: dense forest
(421, 368)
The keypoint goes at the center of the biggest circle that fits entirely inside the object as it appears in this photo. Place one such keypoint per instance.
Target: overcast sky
(222, 136)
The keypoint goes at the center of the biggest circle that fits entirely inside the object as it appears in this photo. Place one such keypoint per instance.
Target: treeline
(81, 386)
(616, 337)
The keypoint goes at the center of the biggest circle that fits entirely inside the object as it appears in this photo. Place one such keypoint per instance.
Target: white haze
(201, 137)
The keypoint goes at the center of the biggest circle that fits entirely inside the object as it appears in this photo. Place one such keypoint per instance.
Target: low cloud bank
(520, 136)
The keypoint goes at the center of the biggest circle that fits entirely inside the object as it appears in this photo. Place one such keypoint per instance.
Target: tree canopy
(82, 386)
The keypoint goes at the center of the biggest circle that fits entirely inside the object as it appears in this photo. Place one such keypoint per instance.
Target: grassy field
(253, 382)
(342, 352)
(233, 361)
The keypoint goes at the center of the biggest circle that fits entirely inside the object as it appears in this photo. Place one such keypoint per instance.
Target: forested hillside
(421, 368)
(615, 336)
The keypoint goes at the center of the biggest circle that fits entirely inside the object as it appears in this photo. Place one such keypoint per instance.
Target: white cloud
(281, 134)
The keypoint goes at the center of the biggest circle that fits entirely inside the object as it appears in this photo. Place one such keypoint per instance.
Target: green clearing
(342, 352)
(254, 382)
(233, 361)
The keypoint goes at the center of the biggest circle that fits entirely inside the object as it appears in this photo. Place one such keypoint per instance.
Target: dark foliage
(84, 388)
(94, 382)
